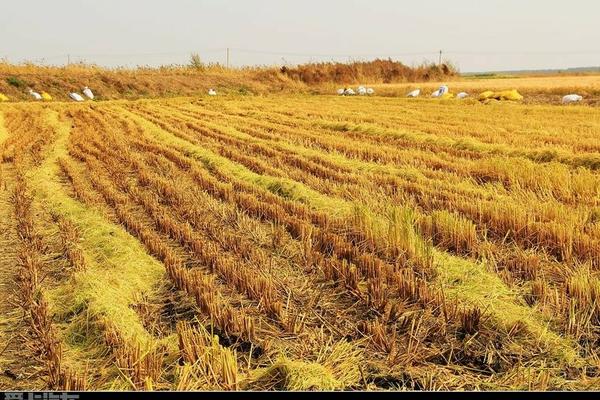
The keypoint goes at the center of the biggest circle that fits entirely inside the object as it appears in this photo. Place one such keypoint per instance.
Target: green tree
(196, 62)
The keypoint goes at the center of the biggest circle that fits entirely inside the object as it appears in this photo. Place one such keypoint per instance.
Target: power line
(298, 54)
(280, 54)
(293, 54)
(150, 54)
(408, 54)
(525, 53)
(119, 55)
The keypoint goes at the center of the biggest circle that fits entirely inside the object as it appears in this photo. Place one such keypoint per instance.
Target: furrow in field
(511, 124)
(443, 244)
(263, 335)
(97, 321)
(452, 265)
(546, 231)
(545, 179)
(575, 124)
(181, 179)
(18, 365)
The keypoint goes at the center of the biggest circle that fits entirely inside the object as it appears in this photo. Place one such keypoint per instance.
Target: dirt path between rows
(19, 369)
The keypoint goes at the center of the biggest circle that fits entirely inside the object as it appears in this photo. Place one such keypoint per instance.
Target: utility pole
(68, 59)
(440, 61)
(228, 58)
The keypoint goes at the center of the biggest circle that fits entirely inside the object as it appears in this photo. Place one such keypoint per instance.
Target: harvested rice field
(295, 242)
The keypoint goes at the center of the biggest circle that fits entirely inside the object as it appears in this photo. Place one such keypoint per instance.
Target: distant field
(198, 78)
(302, 242)
(169, 82)
(541, 89)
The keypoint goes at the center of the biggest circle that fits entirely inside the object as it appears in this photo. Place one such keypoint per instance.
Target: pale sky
(477, 35)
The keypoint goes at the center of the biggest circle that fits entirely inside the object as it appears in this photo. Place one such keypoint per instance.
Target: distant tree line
(379, 70)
